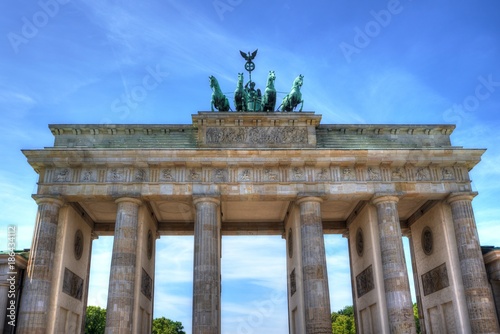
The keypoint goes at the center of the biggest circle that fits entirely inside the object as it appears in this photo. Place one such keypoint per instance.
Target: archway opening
(254, 284)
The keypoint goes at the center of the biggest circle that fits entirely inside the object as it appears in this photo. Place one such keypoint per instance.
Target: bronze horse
(240, 95)
(291, 101)
(219, 100)
(269, 99)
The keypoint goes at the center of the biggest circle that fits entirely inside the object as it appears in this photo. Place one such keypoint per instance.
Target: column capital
(128, 199)
(48, 199)
(308, 198)
(385, 197)
(199, 199)
(461, 196)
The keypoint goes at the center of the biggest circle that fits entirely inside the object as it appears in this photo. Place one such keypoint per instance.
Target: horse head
(270, 79)
(240, 79)
(298, 81)
(213, 81)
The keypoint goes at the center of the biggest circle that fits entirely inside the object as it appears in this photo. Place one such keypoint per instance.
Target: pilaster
(396, 284)
(478, 293)
(314, 271)
(33, 313)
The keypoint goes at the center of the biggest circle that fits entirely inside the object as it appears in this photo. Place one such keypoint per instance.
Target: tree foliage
(95, 320)
(415, 315)
(166, 326)
(95, 323)
(343, 321)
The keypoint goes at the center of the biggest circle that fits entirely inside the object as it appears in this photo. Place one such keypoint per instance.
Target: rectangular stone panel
(146, 284)
(72, 284)
(265, 136)
(366, 320)
(435, 279)
(449, 317)
(293, 283)
(364, 281)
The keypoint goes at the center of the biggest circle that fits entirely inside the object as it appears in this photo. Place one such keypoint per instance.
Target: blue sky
(363, 62)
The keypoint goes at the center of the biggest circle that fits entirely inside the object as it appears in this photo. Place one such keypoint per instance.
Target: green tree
(415, 315)
(166, 326)
(343, 321)
(95, 320)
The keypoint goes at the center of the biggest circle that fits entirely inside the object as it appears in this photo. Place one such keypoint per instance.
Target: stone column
(478, 294)
(314, 272)
(120, 308)
(33, 312)
(206, 272)
(396, 284)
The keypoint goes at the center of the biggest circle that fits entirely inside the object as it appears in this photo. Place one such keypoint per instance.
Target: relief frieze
(219, 175)
(297, 174)
(348, 174)
(270, 175)
(62, 175)
(116, 175)
(435, 279)
(72, 284)
(146, 284)
(141, 175)
(323, 174)
(448, 173)
(167, 174)
(398, 174)
(245, 175)
(88, 175)
(365, 282)
(423, 174)
(254, 174)
(256, 135)
(194, 175)
(374, 174)
(293, 283)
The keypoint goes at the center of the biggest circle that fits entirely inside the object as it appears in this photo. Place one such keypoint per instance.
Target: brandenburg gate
(267, 173)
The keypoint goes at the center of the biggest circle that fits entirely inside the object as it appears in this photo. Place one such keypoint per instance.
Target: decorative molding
(360, 244)
(427, 240)
(290, 243)
(149, 244)
(78, 244)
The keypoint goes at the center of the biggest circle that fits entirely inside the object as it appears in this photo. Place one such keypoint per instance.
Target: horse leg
(301, 105)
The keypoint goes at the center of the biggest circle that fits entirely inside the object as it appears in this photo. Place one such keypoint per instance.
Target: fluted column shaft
(478, 294)
(396, 284)
(314, 272)
(33, 312)
(206, 271)
(120, 308)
